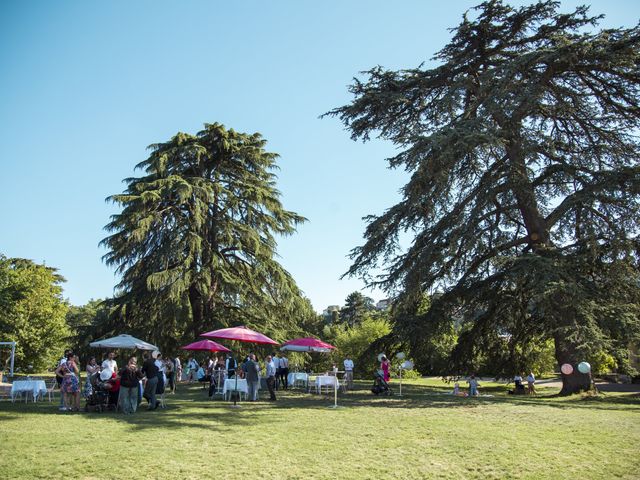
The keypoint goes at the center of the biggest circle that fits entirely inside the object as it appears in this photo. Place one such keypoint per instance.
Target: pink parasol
(307, 344)
(241, 334)
(207, 345)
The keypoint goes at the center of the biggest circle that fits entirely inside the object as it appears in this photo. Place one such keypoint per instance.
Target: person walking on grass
(473, 386)
(170, 372)
(531, 381)
(253, 377)
(192, 366)
(130, 377)
(70, 386)
(271, 378)
(348, 371)
(150, 370)
(177, 364)
(62, 361)
(385, 366)
(284, 371)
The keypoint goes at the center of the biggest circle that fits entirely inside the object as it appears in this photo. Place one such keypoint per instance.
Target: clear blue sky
(86, 86)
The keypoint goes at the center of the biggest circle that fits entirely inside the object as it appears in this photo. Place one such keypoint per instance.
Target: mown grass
(424, 434)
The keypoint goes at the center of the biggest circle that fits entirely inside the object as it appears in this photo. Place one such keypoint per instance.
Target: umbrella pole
(235, 393)
(335, 388)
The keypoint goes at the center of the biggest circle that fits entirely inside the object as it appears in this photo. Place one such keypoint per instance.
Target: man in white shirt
(348, 371)
(110, 362)
(276, 364)
(162, 368)
(271, 378)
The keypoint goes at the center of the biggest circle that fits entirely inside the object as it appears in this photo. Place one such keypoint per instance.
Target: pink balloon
(566, 369)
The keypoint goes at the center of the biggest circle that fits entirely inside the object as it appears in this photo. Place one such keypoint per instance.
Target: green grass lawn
(424, 434)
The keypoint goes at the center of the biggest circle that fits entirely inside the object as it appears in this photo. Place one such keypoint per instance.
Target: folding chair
(51, 388)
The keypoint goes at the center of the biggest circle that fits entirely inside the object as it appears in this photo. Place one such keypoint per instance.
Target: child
(456, 388)
(473, 386)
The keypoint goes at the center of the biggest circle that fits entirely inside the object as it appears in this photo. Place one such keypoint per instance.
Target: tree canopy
(195, 241)
(32, 312)
(522, 144)
(356, 306)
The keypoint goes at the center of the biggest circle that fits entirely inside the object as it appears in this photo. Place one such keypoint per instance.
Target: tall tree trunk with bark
(576, 382)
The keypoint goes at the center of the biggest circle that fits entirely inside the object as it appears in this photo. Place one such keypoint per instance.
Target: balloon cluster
(583, 367)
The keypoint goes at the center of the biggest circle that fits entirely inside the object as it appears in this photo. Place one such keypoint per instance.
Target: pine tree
(356, 306)
(195, 242)
(523, 198)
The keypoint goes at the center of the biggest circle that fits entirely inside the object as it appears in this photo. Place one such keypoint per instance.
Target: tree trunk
(197, 311)
(524, 192)
(576, 382)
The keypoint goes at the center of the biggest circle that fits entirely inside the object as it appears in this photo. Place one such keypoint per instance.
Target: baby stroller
(98, 396)
(379, 385)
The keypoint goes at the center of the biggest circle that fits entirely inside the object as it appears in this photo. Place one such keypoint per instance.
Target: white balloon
(408, 365)
(400, 355)
(380, 355)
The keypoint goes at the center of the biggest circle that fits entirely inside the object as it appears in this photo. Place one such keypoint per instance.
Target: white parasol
(123, 341)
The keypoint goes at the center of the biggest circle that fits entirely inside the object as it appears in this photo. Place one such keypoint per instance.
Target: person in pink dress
(384, 366)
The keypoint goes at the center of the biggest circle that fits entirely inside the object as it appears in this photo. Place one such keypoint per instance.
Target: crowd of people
(214, 370)
(124, 387)
(127, 386)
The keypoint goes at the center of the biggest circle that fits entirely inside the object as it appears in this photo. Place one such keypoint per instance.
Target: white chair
(218, 377)
(51, 388)
(345, 382)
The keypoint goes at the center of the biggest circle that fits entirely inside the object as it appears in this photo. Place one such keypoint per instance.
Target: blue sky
(86, 86)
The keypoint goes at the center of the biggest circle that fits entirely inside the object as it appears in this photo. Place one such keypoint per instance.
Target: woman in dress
(70, 387)
(384, 366)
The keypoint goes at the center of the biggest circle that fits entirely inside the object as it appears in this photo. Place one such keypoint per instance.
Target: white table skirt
(36, 387)
(292, 378)
(326, 381)
(230, 386)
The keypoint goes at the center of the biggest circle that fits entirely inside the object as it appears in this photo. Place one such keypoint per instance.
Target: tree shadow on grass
(191, 408)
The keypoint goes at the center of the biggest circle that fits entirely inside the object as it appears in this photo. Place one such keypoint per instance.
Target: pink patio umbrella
(240, 334)
(206, 345)
(307, 344)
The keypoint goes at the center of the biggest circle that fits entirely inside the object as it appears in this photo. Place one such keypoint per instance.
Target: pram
(100, 398)
(379, 385)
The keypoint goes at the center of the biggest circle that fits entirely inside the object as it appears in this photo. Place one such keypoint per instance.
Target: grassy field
(424, 434)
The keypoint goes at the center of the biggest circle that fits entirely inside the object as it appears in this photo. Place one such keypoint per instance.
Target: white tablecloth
(230, 386)
(292, 378)
(36, 387)
(326, 380)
